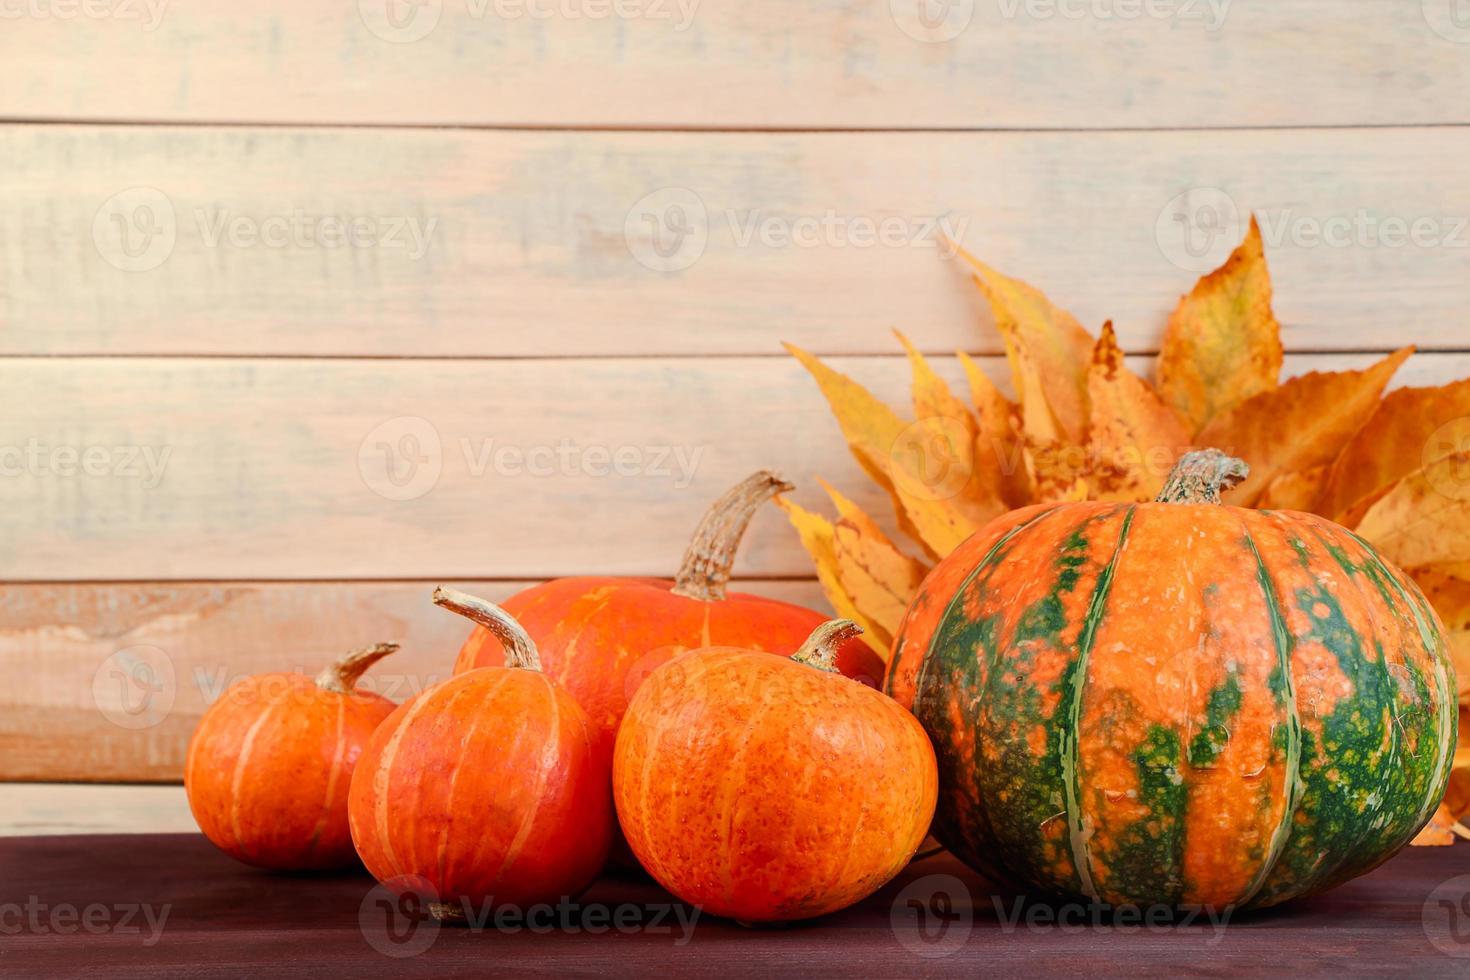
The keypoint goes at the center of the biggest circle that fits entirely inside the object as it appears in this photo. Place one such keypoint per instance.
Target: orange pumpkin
(269, 765)
(770, 788)
(599, 637)
(487, 787)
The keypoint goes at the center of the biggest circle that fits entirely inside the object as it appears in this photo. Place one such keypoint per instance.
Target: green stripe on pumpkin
(1073, 681)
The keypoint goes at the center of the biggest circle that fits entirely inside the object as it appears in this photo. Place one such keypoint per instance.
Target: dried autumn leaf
(876, 576)
(1411, 428)
(1447, 587)
(1441, 830)
(974, 481)
(1300, 425)
(998, 437)
(1135, 437)
(1058, 471)
(819, 538)
(1295, 491)
(919, 463)
(1425, 518)
(1048, 353)
(1222, 344)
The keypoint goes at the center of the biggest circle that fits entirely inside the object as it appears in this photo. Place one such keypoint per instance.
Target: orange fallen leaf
(1048, 353)
(1447, 587)
(819, 538)
(1222, 344)
(1302, 424)
(1411, 428)
(1441, 830)
(1425, 518)
(1295, 491)
(1135, 437)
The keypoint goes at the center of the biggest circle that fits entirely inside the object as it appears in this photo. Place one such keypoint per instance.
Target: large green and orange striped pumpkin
(1177, 702)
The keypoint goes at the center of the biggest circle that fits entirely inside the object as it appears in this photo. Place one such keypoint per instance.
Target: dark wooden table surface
(170, 905)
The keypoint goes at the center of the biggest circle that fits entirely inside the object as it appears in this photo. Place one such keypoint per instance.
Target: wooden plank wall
(250, 253)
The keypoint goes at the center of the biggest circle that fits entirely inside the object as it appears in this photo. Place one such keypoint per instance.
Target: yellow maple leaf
(1135, 437)
(952, 464)
(819, 538)
(874, 573)
(1222, 344)
(1424, 519)
(998, 435)
(1302, 424)
(1048, 352)
(916, 462)
(1411, 428)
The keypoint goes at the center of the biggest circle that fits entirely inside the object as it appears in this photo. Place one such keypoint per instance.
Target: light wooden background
(192, 420)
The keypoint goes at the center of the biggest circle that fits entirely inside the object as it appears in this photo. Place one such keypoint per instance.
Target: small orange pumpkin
(770, 788)
(269, 765)
(599, 637)
(488, 786)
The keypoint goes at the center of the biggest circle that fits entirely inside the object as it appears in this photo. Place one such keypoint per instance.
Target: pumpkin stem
(706, 567)
(1200, 476)
(520, 650)
(820, 649)
(342, 675)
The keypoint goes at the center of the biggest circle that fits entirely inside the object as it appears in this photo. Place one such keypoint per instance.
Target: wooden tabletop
(171, 905)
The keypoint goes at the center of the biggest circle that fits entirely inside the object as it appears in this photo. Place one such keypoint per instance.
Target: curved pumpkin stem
(1200, 476)
(820, 649)
(711, 553)
(520, 650)
(341, 677)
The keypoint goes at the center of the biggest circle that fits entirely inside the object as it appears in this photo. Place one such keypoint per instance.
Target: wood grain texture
(107, 681)
(49, 809)
(280, 469)
(534, 243)
(212, 917)
(742, 63)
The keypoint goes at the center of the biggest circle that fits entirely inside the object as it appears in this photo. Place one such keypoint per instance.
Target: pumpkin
(599, 636)
(269, 765)
(486, 787)
(1177, 702)
(770, 788)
